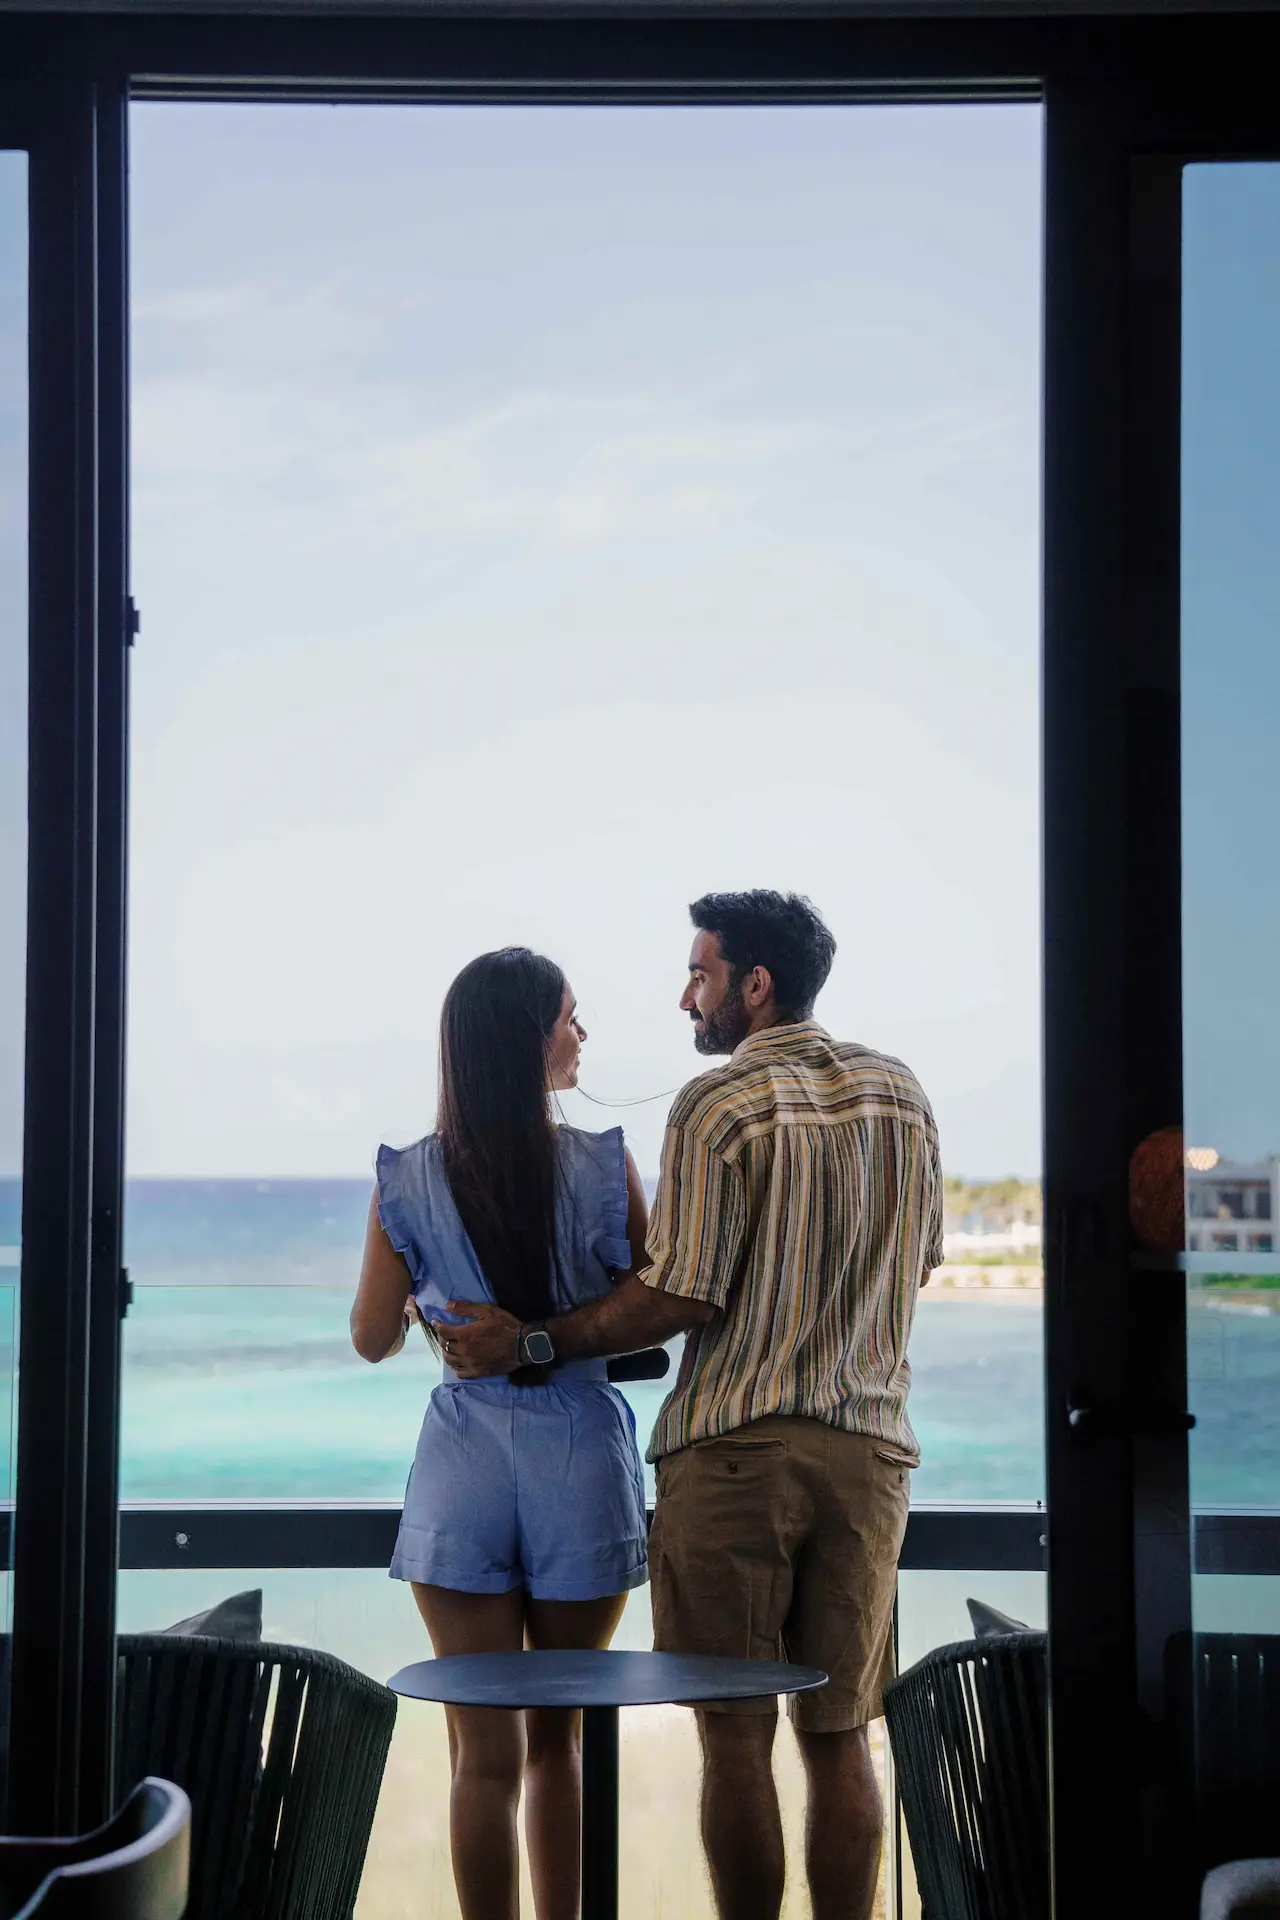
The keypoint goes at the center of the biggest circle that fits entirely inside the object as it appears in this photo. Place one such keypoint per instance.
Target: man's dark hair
(781, 931)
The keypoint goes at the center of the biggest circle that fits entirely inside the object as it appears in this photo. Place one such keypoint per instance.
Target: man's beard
(727, 1027)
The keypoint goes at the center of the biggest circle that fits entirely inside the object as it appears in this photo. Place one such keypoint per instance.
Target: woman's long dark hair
(494, 1120)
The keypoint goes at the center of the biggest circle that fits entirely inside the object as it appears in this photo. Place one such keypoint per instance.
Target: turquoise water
(240, 1381)
(239, 1392)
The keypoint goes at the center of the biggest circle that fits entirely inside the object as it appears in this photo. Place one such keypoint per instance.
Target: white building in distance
(1233, 1205)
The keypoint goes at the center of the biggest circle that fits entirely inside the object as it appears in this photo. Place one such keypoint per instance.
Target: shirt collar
(781, 1035)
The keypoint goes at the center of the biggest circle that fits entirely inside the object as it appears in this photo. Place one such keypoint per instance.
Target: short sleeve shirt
(800, 1193)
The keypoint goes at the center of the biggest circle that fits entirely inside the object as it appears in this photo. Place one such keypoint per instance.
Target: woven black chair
(134, 1868)
(968, 1727)
(281, 1750)
(1224, 1694)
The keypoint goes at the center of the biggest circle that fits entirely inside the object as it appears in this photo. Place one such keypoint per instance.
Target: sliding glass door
(1162, 944)
(1230, 578)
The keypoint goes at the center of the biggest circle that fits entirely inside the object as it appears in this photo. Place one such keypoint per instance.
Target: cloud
(284, 330)
(314, 1109)
(544, 465)
(547, 467)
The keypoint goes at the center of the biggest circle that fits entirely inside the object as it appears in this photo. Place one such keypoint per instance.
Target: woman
(524, 1519)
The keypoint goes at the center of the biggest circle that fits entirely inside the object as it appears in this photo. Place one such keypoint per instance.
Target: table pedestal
(598, 1682)
(599, 1813)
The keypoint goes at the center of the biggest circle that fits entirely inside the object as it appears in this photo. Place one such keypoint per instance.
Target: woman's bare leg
(553, 1770)
(486, 1752)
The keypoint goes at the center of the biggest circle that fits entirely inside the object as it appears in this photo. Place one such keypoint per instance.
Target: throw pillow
(237, 1618)
(990, 1620)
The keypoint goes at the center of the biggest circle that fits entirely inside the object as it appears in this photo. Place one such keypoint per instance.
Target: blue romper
(538, 1487)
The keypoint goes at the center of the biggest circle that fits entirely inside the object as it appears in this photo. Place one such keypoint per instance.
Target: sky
(542, 516)
(1231, 656)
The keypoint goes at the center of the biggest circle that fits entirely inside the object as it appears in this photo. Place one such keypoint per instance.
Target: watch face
(539, 1348)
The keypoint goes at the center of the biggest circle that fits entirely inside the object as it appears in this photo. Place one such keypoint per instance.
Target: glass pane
(323, 1424)
(242, 1292)
(13, 817)
(519, 496)
(1231, 936)
(498, 474)
(977, 1394)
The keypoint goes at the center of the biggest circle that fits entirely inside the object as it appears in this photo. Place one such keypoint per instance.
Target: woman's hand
(484, 1345)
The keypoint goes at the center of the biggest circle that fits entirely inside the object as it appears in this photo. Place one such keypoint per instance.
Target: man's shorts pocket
(895, 1457)
(719, 1555)
(736, 1455)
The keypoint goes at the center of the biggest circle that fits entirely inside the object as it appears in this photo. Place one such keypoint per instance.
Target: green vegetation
(1010, 1257)
(997, 1204)
(1243, 1282)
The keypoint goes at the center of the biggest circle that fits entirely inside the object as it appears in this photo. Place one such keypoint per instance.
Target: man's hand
(485, 1345)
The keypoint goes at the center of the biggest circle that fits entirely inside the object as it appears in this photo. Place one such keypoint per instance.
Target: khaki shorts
(781, 1541)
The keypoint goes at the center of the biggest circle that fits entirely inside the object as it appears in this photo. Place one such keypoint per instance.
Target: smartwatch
(534, 1345)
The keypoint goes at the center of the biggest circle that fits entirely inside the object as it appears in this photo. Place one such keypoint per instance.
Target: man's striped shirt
(801, 1193)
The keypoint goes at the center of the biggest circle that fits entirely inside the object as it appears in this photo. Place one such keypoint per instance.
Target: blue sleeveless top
(518, 1483)
(421, 1221)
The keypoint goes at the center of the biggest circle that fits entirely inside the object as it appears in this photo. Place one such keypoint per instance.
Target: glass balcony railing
(360, 1615)
(255, 1392)
(242, 1389)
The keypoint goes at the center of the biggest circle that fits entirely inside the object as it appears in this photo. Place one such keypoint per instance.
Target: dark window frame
(1126, 101)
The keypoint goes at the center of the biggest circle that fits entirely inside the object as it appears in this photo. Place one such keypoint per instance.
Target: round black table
(598, 1683)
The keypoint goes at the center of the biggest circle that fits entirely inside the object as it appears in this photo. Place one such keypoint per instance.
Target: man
(799, 1209)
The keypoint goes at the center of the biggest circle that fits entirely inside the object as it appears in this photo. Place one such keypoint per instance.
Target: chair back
(968, 1728)
(281, 1750)
(134, 1868)
(1223, 1692)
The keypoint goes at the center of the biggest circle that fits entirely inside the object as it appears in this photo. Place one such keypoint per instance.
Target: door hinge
(132, 620)
(126, 1292)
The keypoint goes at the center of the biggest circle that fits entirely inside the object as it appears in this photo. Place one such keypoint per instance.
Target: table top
(603, 1679)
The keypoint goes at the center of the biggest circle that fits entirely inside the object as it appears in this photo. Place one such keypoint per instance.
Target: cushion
(990, 1620)
(237, 1618)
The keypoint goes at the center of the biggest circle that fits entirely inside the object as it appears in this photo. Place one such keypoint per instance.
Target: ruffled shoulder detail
(615, 1248)
(393, 1204)
(608, 1155)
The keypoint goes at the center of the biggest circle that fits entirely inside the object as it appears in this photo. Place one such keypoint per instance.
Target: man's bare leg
(844, 1829)
(741, 1824)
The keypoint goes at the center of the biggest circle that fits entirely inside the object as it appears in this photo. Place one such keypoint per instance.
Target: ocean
(240, 1381)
